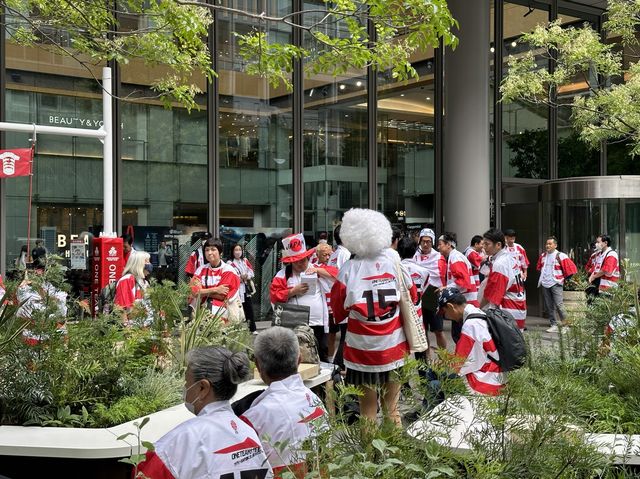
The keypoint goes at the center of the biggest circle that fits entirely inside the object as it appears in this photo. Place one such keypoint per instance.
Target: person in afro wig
(366, 293)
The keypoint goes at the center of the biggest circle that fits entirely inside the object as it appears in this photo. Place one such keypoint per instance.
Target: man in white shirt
(554, 267)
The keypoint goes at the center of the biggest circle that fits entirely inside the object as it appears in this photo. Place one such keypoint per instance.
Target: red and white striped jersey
(554, 268)
(436, 265)
(591, 263)
(504, 288)
(476, 348)
(216, 444)
(609, 263)
(325, 283)
(128, 291)
(279, 292)
(196, 261)
(287, 412)
(519, 256)
(460, 275)
(207, 276)
(476, 260)
(420, 278)
(339, 257)
(367, 292)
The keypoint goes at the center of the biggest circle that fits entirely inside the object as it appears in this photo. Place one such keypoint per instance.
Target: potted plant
(574, 297)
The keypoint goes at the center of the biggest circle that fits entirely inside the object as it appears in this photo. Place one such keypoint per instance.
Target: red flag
(15, 162)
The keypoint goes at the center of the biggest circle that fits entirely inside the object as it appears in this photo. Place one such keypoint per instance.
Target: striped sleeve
(338, 296)
(496, 287)
(153, 468)
(279, 290)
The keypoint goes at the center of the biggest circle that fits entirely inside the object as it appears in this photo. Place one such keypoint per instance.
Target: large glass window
(525, 138)
(405, 147)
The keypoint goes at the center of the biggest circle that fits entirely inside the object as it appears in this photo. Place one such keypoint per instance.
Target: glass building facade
(254, 163)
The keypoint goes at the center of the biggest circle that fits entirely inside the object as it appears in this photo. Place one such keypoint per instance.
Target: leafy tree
(611, 110)
(174, 32)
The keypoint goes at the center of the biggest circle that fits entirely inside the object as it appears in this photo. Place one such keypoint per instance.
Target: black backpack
(507, 337)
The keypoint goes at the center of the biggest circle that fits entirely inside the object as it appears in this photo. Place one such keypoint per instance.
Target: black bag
(507, 337)
(290, 315)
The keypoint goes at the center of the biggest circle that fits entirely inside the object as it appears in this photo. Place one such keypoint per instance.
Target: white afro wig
(365, 232)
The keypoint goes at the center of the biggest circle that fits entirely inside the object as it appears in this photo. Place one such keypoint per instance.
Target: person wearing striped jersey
(606, 271)
(244, 269)
(326, 277)
(429, 258)
(133, 283)
(419, 274)
(216, 443)
(501, 286)
(459, 275)
(287, 413)
(476, 350)
(475, 254)
(287, 287)
(215, 282)
(554, 267)
(196, 258)
(521, 265)
(367, 292)
(341, 254)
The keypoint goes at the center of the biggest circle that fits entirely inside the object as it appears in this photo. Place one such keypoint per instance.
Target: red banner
(106, 266)
(16, 162)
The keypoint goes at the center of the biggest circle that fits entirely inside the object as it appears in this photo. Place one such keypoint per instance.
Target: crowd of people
(352, 294)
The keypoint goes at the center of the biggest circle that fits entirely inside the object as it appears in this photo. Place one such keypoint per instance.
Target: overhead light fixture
(428, 98)
(358, 83)
(401, 94)
(342, 87)
(311, 92)
(513, 44)
(492, 50)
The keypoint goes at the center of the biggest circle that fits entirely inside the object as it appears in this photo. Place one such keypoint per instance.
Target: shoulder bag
(411, 321)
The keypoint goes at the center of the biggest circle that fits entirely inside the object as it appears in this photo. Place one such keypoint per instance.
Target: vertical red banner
(107, 264)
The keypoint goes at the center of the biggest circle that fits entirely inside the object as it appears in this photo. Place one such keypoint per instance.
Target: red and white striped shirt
(325, 283)
(460, 275)
(195, 262)
(128, 291)
(242, 266)
(554, 268)
(210, 277)
(367, 292)
(216, 444)
(436, 265)
(279, 292)
(420, 278)
(476, 260)
(608, 262)
(287, 412)
(519, 256)
(504, 289)
(591, 263)
(476, 348)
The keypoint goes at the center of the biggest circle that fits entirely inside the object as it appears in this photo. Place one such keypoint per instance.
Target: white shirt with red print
(476, 348)
(436, 264)
(285, 415)
(608, 262)
(504, 289)
(215, 444)
(460, 275)
(279, 291)
(211, 277)
(476, 260)
(519, 256)
(339, 257)
(554, 268)
(367, 292)
(242, 266)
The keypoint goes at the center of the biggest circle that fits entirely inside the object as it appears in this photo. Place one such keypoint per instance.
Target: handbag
(250, 288)
(412, 323)
(235, 311)
(290, 315)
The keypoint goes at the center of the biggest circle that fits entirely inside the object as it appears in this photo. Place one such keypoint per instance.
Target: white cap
(428, 232)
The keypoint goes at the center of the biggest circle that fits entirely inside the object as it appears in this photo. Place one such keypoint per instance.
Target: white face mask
(189, 405)
(237, 254)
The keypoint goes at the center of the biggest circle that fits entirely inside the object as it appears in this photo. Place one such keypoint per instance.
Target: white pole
(107, 161)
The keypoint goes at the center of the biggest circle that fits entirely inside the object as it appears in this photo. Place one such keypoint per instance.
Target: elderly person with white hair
(215, 443)
(367, 292)
(287, 412)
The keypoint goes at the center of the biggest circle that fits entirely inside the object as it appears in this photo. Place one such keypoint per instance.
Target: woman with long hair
(133, 283)
(367, 293)
(244, 268)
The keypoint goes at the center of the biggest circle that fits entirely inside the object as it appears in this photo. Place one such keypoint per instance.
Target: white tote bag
(411, 321)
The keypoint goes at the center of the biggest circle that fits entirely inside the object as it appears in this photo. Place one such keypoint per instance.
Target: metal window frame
(297, 166)
(438, 147)
(498, 75)
(3, 186)
(372, 127)
(213, 105)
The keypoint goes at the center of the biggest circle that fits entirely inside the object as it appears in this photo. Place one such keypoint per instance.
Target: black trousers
(247, 306)
(322, 341)
(338, 359)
